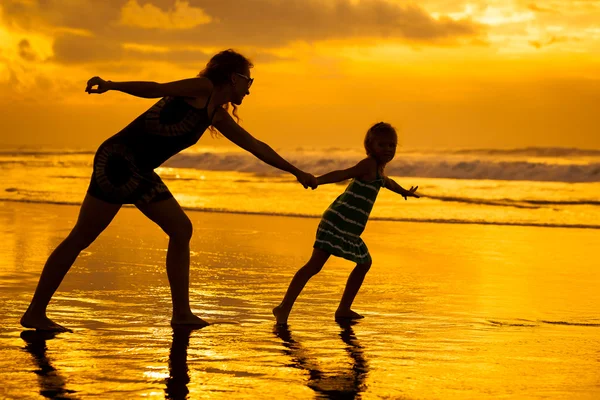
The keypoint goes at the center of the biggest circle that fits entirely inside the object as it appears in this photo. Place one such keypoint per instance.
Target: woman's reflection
(179, 375)
(52, 384)
(346, 383)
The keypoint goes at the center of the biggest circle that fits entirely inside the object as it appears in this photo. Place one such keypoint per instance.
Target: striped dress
(345, 219)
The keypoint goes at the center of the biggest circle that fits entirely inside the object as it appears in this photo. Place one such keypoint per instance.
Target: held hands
(307, 180)
(97, 81)
(410, 193)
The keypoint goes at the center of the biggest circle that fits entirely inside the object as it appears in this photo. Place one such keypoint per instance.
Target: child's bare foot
(188, 321)
(280, 315)
(347, 314)
(41, 323)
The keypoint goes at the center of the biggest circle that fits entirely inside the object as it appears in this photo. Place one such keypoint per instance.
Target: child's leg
(312, 267)
(355, 280)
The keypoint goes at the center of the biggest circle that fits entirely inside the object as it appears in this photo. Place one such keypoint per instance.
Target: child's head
(381, 141)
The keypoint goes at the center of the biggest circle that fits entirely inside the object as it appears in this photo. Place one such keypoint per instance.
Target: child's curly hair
(380, 128)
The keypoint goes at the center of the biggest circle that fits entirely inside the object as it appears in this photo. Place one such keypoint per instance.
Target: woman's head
(381, 141)
(230, 68)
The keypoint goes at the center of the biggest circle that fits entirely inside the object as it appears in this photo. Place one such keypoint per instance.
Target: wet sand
(452, 311)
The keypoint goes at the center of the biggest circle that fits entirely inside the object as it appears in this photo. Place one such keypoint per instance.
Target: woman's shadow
(343, 384)
(52, 384)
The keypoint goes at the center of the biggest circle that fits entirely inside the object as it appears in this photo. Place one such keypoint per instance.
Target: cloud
(73, 49)
(149, 16)
(77, 49)
(26, 52)
(88, 31)
(538, 44)
(275, 23)
(237, 23)
(536, 8)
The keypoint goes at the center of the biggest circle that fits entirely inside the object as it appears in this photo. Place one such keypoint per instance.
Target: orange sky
(448, 73)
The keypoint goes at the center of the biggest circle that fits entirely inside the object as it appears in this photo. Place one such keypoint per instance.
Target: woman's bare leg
(310, 269)
(172, 219)
(94, 216)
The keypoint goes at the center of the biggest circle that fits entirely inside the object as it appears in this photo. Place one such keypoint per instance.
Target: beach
(458, 140)
(462, 311)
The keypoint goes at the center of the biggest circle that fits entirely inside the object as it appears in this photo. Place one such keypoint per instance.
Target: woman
(124, 172)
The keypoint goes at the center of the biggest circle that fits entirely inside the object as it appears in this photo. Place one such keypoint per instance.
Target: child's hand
(307, 180)
(410, 193)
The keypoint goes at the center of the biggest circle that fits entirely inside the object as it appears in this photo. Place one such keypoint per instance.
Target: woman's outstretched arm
(192, 87)
(238, 135)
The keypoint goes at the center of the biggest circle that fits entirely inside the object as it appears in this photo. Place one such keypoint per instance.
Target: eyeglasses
(250, 80)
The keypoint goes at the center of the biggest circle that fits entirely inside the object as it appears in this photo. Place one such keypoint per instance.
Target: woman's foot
(188, 321)
(280, 315)
(347, 315)
(41, 323)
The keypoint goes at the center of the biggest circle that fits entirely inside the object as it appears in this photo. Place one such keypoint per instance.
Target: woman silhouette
(124, 172)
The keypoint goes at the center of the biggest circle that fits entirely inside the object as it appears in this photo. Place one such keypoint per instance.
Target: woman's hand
(97, 81)
(307, 180)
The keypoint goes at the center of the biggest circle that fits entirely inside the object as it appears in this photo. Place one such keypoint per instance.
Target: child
(345, 219)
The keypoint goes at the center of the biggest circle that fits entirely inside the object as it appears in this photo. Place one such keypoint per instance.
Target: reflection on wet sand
(179, 377)
(52, 384)
(460, 319)
(345, 382)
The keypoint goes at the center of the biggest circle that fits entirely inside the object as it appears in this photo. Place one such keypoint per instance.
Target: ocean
(553, 187)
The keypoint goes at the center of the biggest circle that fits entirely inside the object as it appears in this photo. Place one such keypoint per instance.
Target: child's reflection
(346, 383)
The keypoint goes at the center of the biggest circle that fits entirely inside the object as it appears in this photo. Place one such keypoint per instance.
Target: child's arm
(362, 168)
(394, 187)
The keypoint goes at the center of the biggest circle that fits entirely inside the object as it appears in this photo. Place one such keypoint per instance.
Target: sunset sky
(447, 73)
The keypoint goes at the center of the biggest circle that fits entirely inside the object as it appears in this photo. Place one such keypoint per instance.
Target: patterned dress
(124, 164)
(345, 219)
